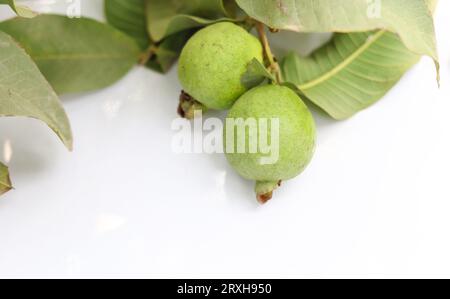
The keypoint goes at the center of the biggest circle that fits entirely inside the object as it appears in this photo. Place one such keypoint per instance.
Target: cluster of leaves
(44, 56)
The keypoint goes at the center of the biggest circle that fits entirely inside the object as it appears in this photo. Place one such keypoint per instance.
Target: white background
(375, 202)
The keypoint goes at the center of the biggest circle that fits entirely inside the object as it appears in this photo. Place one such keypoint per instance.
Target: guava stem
(264, 190)
(274, 66)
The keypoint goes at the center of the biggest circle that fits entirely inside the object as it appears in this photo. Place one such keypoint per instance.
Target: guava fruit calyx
(264, 190)
(188, 105)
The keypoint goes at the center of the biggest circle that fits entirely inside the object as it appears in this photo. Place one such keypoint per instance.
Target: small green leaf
(25, 92)
(5, 181)
(167, 17)
(75, 55)
(129, 17)
(256, 74)
(410, 19)
(20, 10)
(351, 72)
(168, 51)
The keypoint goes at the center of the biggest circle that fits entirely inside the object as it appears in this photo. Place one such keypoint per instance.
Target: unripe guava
(295, 137)
(213, 61)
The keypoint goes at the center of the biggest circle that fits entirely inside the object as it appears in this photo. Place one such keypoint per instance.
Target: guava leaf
(5, 181)
(166, 17)
(75, 55)
(25, 92)
(168, 51)
(129, 17)
(256, 74)
(410, 19)
(351, 72)
(20, 10)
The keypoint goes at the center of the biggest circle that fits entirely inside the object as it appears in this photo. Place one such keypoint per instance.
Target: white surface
(375, 202)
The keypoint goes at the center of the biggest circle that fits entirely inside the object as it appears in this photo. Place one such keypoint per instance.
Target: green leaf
(410, 19)
(75, 55)
(351, 72)
(25, 92)
(129, 17)
(256, 74)
(5, 182)
(20, 10)
(168, 51)
(167, 17)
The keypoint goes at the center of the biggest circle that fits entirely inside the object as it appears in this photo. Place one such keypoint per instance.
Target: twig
(148, 54)
(273, 64)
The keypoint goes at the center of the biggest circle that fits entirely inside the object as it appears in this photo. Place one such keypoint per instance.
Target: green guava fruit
(290, 131)
(213, 61)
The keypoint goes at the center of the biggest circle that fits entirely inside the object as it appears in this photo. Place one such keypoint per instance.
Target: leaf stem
(273, 64)
(148, 54)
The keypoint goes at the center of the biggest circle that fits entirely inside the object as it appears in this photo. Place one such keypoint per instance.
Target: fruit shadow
(235, 189)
